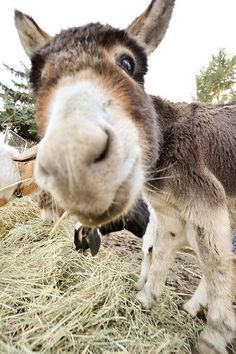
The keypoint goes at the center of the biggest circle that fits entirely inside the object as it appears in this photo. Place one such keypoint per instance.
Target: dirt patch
(184, 275)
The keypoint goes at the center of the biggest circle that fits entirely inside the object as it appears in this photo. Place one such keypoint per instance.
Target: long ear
(31, 35)
(150, 27)
(28, 155)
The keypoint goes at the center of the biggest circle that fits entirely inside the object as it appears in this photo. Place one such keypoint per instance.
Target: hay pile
(55, 300)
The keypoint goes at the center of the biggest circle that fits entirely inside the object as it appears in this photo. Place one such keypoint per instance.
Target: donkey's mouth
(91, 220)
(123, 200)
(117, 208)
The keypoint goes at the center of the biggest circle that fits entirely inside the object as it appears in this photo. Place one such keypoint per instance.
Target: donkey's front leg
(145, 267)
(170, 238)
(215, 252)
(147, 248)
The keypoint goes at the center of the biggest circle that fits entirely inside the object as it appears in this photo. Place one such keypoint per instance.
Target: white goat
(12, 173)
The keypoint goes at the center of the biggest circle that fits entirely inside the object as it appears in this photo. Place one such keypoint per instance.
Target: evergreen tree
(18, 111)
(216, 83)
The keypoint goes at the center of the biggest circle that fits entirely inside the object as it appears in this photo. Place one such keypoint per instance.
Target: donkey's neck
(167, 112)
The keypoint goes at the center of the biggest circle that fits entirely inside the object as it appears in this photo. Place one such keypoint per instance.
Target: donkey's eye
(126, 63)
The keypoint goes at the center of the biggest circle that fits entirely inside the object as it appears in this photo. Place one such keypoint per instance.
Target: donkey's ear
(31, 35)
(150, 27)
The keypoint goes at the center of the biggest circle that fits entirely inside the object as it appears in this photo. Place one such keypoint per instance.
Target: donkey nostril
(103, 152)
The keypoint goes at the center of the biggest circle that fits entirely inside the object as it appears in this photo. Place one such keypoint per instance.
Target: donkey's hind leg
(199, 299)
(215, 255)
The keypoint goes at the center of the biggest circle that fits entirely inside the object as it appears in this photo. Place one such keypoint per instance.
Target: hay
(58, 223)
(55, 300)
(16, 184)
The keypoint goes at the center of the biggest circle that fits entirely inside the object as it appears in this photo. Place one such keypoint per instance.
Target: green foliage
(18, 111)
(216, 83)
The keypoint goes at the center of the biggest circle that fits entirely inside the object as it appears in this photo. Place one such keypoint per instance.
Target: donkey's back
(202, 137)
(217, 142)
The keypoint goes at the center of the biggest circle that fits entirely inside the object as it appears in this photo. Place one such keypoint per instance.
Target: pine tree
(216, 83)
(18, 111)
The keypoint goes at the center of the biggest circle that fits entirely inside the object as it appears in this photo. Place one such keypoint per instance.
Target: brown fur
(27, 171)
(232, 213)
(3, 202)
(105, 141)
(49, 209)
(26, 23)
(153, 31)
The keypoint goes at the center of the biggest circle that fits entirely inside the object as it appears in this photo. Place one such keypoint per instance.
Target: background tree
(216, 83)
(18, 111)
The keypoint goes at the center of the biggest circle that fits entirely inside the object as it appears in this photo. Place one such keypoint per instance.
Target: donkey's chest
(162, 201)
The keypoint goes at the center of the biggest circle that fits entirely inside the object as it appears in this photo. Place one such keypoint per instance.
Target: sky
(198, 29)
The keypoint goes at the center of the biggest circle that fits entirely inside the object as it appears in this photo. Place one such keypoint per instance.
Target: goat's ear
(31, 35)
(28, 155)
(150, 27)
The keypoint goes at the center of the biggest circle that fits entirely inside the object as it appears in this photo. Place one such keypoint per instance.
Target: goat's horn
(28, 155)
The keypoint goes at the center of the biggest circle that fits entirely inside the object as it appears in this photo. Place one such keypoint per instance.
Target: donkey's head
(98, 126)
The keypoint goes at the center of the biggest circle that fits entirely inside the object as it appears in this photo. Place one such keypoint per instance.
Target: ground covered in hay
(55, 300)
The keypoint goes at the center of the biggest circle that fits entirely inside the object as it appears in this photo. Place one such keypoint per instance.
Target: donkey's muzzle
(80, 174)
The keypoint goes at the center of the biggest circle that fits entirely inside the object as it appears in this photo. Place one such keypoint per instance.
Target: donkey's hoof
(145, 300)
(192, 308)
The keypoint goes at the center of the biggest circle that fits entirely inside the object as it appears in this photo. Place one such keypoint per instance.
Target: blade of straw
(59, 221)
(15, 184)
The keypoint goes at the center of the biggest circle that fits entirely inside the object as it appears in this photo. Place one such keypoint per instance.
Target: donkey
(105, 141)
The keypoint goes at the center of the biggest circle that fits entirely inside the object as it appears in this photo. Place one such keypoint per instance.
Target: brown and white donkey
(105, 141)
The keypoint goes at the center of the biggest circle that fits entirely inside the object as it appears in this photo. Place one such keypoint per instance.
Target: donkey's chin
(95, 220)
(121, 204)
(102, 206)
(123, 199)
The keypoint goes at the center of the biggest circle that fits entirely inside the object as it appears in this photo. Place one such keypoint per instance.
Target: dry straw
(58, 223)
(56, 300)
(15, 184)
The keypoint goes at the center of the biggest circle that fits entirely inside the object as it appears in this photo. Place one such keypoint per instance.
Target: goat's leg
(215, 251)
(170, 238)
